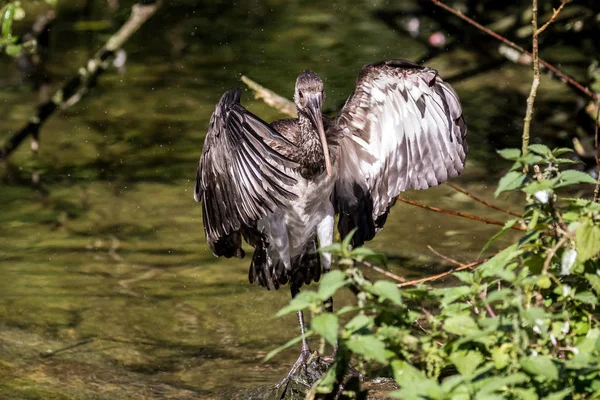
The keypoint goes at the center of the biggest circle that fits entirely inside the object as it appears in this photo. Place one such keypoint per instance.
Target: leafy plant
(522, 325)
(9, 42)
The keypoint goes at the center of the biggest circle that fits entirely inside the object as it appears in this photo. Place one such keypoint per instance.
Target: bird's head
(309, 97)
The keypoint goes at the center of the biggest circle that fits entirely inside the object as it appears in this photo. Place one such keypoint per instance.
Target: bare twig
(552, 253)
(480, 200)
(461, 267)
(457, 213)
(597, 188)
(563, 76)
(51, 353)
(276, 101)
(85, 79)
(440, 255)
(553, 18)
(442, 275)
(383, 271)
(534, 84)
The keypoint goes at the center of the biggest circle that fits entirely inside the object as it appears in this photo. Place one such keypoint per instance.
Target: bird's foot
(301, 362)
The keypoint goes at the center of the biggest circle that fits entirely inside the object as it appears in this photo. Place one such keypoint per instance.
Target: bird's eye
(301, 94)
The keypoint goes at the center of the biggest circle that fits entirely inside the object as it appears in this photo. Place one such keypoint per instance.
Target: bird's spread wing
(242, 174)
(403, 128)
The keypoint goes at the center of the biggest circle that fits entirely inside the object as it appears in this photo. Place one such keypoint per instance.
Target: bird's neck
(312, 159)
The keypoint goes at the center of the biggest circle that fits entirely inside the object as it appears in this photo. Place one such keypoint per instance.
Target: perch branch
(480, 200)
(276, 101)
(85, 79)
(563, 76)
(457, 213)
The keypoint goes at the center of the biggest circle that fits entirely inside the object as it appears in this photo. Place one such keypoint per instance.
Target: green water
(112, 259)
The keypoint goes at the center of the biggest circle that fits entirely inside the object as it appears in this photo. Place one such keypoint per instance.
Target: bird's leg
(305, 352)
(325, 235)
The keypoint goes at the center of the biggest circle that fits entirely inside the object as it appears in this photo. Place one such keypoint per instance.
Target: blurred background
(107, 288)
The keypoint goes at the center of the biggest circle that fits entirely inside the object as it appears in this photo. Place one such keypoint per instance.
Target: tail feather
(268, 270)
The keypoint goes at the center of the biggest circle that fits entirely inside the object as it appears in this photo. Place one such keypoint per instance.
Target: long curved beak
(316, 117)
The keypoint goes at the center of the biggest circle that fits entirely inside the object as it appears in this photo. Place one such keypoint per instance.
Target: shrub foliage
(522, 325)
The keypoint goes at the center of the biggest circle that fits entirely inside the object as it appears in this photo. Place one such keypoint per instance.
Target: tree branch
(85, 79)
(534, 84)
(554, 15)
(563, 76)
(597, 188)
(457, 213)
(479, 200)
(276, 101)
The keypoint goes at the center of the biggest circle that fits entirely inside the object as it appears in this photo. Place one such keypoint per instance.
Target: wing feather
(402, 128)
(241, 177)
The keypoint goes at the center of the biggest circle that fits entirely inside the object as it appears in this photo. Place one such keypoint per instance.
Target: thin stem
(552, 253)
(457, 213)
(554, 15)
(442, 275)
(597, 188)
(480, 200)
(450, 260)
(534, 84)
(383, 271)
(563, 76)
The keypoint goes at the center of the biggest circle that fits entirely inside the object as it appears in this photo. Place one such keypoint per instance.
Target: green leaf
(359, 322)
(466, 361)
(7, 20)
(461, 325)
(362, 253)
(13, 50)
(541, 366)
(510, 181)
(535, 186)
(562, 150)
(501, 356)
(464, 276)
(558, 395)
(587, 298)
(594, 281)
(334, 249)
(507, 226)
(386, 290)
(408, 376)
(540, 149)
(367, 346)
(330, 283)
(496, 266)
(326, 325)
(509, 154)
(587, 241)
(289, 344)
(499, 295)
(348, 239)
(571, 177)
(492, 384)
(451, 294)
(302, 301)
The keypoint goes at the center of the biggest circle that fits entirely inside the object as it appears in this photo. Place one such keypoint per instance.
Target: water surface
(108, 290)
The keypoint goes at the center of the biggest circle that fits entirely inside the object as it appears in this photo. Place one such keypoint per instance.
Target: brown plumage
(280, 186)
